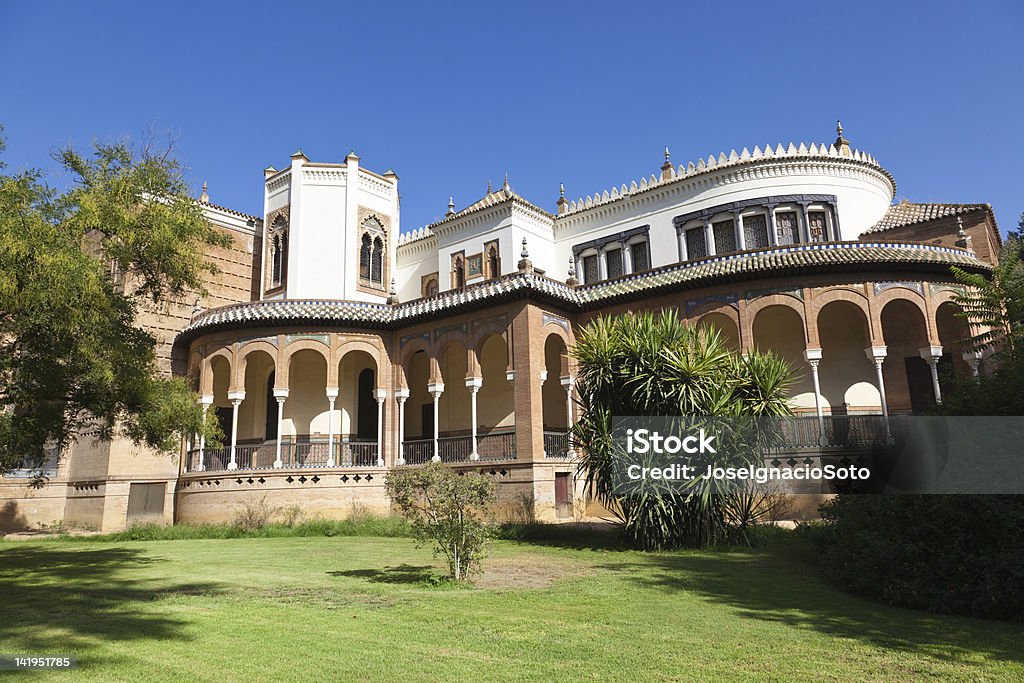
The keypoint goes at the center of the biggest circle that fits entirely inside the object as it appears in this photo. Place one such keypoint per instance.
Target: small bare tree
(447, 508)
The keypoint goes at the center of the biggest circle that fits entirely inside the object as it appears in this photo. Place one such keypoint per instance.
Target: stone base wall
(23, 507)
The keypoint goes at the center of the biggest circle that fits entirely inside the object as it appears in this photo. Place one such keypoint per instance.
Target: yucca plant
(650, 364)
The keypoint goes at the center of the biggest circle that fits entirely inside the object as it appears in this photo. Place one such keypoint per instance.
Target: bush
(945, 554)
(252, 515)
(445, 507)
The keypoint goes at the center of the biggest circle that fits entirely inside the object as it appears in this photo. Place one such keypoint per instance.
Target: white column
(876, 354)
(205, 401)
(401, 395)
(236, 398)
(332, 394)
(931, 355)
(567, 383)
(813, 357)
(709, 238)
(741, 239)
(474, 384)
(381, 395)
(602, 265)
(435, 391)
(973, 359)
(681, 236)
(805, 224)
(280, 395)
(769, 219)
(627, 259)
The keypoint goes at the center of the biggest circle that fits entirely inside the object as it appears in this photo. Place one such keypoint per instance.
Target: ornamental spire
(451, 206)
(563, 205)
(204, 198)
(666, 168)
(841, 144)
(505, 186)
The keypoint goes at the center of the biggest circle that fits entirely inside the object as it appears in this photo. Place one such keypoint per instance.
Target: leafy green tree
(654, 365)
(447, 508)
(75, 268)
(994, 305)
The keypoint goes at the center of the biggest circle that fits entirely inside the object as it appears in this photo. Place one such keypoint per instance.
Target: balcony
(294, 455)
(491, 446)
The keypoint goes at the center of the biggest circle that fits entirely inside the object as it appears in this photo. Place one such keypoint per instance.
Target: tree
(75, 268)
(445, 507)
(654, 365)
(994, 305)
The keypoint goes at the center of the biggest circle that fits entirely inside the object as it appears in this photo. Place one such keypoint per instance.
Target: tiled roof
(748, 265)
(906, 213)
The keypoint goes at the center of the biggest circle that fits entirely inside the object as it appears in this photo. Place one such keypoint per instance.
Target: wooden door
(563, 496)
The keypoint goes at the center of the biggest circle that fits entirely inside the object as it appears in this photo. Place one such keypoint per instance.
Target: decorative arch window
(372, 243)
(492, 261)
(278, 252)
(428, 285)
(458, 272)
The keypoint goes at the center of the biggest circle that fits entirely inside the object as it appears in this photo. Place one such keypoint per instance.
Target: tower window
(613, 259)
(816, 226)
(725, 237)
(640, 257)
(493, 265)
(278, 239)
(786, 227)
(372, 245)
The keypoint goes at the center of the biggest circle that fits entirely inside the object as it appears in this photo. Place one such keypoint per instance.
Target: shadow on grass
(402, 574)
(573, 535)
(56, 599)
(776, 585)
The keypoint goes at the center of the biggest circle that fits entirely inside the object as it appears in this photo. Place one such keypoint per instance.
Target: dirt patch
(524, 572)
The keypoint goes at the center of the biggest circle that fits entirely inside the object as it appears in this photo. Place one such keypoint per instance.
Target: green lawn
(364, 609)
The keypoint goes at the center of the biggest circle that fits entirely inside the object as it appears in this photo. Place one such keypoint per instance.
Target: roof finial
(666, 168)
(490, 189)
(392, 293)
(571, 280)
(563, 204)
(451, 206)
(841, 144)
(524, 263)
(963, 240)
(204, 198)
(505, 186)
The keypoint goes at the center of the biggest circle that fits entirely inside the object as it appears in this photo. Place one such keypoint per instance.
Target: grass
(371, 608)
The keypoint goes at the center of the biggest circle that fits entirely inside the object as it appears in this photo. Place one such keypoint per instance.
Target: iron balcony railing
(556, 444)
(294, 455)
(490, 446)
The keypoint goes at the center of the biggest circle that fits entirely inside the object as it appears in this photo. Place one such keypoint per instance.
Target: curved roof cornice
(734, 160)
(841, 257)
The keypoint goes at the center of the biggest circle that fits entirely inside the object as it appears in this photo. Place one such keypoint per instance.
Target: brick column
(528, 361)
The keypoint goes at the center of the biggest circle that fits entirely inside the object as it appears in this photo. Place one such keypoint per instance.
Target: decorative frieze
(751, 294)
(546, 318)
(729, 299)
(441, 331)
(323, 338)
(889, 284)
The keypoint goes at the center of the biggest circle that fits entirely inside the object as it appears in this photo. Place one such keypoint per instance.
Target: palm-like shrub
(655, 365)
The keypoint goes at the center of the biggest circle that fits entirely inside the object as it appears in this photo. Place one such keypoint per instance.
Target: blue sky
(451, 95)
